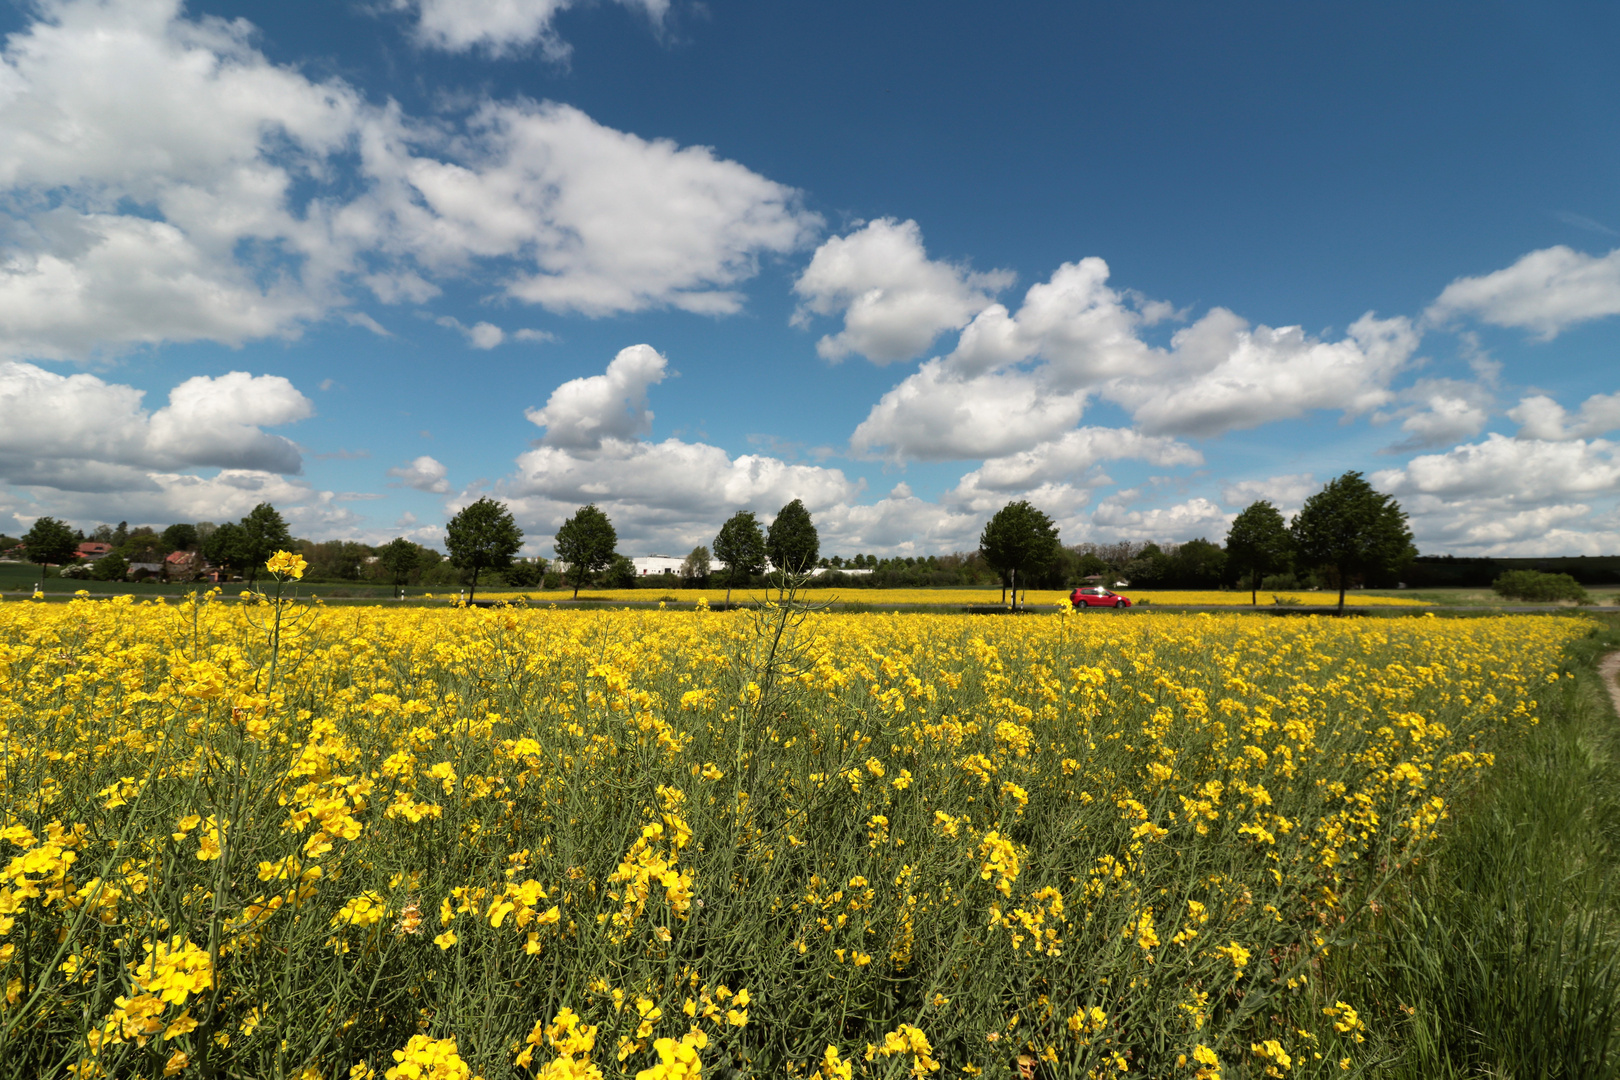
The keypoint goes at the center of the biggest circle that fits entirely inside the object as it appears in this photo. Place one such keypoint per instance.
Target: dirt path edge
(1609, 669)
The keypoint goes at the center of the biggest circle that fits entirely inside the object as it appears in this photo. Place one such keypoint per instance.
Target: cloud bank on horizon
(173, 195)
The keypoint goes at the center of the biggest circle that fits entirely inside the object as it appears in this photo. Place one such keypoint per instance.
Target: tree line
(1345, 534)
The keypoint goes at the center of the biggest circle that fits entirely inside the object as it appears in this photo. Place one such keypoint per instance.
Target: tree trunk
(1254, 589)
(1014, 573)
(579, 576)
(1343, 578)
(473, 591)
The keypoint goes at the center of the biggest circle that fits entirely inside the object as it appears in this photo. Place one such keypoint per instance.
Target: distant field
(941, 596)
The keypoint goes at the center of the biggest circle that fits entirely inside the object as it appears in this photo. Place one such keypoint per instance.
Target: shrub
(1535, 585)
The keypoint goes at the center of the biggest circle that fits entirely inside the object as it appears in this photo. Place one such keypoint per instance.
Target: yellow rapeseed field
(1035, 597)
(275, 839)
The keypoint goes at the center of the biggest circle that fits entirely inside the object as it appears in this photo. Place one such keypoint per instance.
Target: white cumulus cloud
(582, 412)
(895, 300)
(1528, 471)
(1019, 379)
(1540, 417)
(1545, 292)
(79, 433)
(424, 474)
(502, 26)
(162, 180)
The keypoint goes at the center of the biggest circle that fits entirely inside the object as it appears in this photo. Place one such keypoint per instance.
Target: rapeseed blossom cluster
(254, 839)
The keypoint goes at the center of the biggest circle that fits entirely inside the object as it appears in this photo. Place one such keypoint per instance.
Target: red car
(1097, 597)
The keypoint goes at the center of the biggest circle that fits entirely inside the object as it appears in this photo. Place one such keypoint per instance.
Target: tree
(621, 573)
(1538, 586)
(226, 547)
(1018, 537)
(143, 546)
(399, 557)
(482, 537)
(110, 567)
(525, 575)
(695, 567)
(1258, 544)
(180, 537)
(586, 542)
(264, 532)
(1352, 529)
(792, 542)
(741, 546)
(50, 541)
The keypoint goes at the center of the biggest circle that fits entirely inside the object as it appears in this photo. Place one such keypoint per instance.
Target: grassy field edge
(1498, 956)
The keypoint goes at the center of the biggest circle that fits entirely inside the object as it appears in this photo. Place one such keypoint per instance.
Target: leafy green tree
(482, 537)
(399, 557)
(621, 573)
(110, 567)
(180, 537)
(792, 542)
(1198, 564)
(226, 547)
(264, 532)
(525, 575)
(1538, 586)
(1018, 538)
(1258, 544)
(695, 568)
(50, 541)
(741, 546)
(1353, 530)
(586, 542)
(143, 545)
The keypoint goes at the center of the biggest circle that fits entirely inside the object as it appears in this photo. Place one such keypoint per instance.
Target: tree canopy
(1258, 544)
(1352, 529)
(264, 532)
(482, 537)
(50, 541)
(586, 542)
(695, 568)
(792, 541)
(741, 546)
(180, 537)
(1018, 538)
(399, 557)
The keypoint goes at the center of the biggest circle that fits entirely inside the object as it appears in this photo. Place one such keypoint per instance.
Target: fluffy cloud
(1545, 292)
(582, 217)
(1016, 380)
(502, 26)
(1540, 417)
(1281, 491)
(594, 450)
(1516, 471)
(104, 105)
(164, 181)
(1437, 412)
(1085, 331)
(1062, 460)
(895, 300)
(936, 415)
(1265, 375)
(423, 474)
(1114, 519)
(482, 335)
(226, 496)
(78, 433)
(582, 412)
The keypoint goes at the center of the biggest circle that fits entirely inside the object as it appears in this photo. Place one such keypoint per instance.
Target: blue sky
(371, 261)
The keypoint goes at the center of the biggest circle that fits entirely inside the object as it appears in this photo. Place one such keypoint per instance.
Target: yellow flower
(284, 564)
